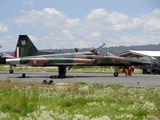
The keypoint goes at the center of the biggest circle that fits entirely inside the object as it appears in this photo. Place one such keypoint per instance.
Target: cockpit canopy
(96, 47)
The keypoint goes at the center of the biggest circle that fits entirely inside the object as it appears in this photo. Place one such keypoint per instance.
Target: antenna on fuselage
(76, 50)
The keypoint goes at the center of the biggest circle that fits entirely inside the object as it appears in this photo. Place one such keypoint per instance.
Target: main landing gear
(61, 71)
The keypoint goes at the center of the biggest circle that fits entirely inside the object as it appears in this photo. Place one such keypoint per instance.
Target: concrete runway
(143, 80)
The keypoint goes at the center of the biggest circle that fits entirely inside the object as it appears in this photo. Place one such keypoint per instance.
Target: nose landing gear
(115, 74)
(11, 70)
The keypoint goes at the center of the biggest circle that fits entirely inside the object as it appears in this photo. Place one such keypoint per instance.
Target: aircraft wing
(138, 53)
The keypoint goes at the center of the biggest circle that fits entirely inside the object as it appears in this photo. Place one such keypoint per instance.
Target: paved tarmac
(134, 80)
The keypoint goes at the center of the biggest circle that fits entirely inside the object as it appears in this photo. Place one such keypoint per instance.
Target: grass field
(79, 101)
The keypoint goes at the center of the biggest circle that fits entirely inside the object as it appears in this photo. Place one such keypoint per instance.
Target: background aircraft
(25, 49)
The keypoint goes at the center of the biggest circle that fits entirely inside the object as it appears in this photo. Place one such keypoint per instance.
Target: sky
(56, 24)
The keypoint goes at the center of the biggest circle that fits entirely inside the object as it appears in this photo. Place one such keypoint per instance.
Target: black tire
(148, 73)
(144, 72)
(115, 74)
(130, 75)
(23, 75)
(61, 76)
(11, 71)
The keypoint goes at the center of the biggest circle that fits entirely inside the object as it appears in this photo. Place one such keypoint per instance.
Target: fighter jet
(64, 60)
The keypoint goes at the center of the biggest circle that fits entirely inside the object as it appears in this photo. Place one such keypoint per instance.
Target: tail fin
(25, 47)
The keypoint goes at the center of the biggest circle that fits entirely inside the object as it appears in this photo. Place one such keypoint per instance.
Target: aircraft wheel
(144, 71)
(130, 74)
(148, 73)
(62, 76)
(116, 74)
(23, 75)
(11, 71)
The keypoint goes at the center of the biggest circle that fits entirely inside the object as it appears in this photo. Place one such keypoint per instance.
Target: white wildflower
(93, 104)
(86, 110)
(80, 117)
(113, 104)
(148, 106)
(125, 116)
(102, 118)
(42, 108)
(121, 109)
(103, 103)
(150, 117)
(28, 87)
(84, 88)
(141, 97)
(4, 115)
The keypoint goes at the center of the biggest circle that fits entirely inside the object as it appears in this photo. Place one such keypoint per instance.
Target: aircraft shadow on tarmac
(56, 77)
(67, 77)
(24, 76)
(16, 75)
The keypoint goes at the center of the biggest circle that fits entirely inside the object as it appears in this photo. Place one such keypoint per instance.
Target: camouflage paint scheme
(35, 58)
(69, 59)
(78, 58)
